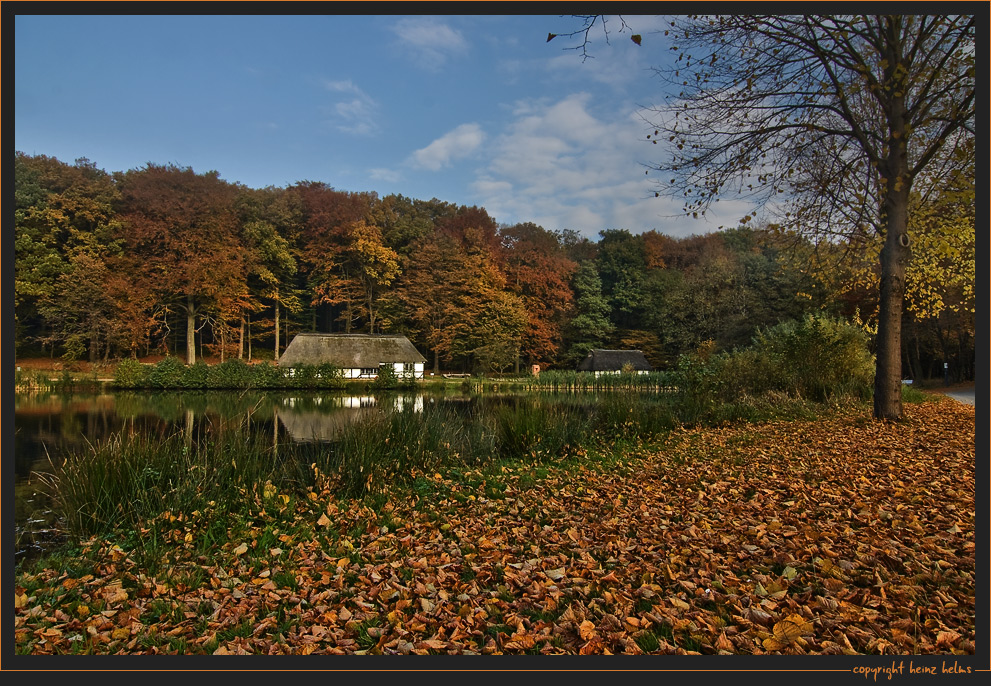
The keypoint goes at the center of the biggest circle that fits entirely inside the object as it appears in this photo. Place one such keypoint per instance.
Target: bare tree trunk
(371, 313)
(436, 363)
(894, 258)
(190, 331)
(276, 327)
(240, 341)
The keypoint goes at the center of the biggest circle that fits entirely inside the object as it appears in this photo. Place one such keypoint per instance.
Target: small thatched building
(613, 362)
(358, 355)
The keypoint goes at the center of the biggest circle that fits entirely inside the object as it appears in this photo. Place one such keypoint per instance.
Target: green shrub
(329, 376)
(700, 386)
(196, 375)
(131, 374)
(169, 373)
(267, 375)
(818, 357)
(233, 373)
(386, 379)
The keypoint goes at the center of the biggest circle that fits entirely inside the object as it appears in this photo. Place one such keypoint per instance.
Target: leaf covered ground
(842, 535)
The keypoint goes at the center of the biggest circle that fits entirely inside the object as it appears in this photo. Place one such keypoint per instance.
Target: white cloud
(355, 114)
(453, 145)
(382, 174)
(430, 42)
(574, 164)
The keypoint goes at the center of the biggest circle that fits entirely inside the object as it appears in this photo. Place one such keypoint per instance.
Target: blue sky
(473, 110)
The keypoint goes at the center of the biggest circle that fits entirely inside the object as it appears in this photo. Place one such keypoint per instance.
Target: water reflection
(49, 425)
(321, 418)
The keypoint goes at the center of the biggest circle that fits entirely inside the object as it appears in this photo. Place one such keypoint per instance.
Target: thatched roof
(613, 361)
(349, 351)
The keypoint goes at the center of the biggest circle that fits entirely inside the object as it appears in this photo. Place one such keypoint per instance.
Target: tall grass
(125, 482)
(571, 380)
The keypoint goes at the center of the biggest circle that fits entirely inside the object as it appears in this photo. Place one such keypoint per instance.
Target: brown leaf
(586, 630)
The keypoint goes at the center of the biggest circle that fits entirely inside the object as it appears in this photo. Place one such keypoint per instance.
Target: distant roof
(349, 350)
(613, 361)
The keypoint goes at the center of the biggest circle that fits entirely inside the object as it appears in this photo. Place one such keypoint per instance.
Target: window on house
(369, 371)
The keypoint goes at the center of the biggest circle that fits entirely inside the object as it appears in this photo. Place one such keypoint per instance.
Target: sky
(469, 109)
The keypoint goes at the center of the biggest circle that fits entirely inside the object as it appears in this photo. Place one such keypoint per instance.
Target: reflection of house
(314, 426)
(319, 419)
(614, 362)
(357, 355)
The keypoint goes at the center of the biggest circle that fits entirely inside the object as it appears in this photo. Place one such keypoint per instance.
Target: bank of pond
(88, 464)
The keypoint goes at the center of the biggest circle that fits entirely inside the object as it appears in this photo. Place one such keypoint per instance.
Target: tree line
(164, 260)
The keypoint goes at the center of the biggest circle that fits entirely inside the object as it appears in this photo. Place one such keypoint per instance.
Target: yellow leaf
(323, 521)
(241, 549)
(773, 644)
(586, 630)
(679, 603)
(789, 629)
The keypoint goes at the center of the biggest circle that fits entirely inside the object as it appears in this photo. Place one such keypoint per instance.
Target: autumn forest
(165, 260)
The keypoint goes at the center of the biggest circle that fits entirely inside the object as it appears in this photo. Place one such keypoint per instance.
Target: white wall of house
(600, 373)
(398, 367)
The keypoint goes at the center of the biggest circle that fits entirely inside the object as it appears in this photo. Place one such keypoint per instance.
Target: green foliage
(196, 375)
(699, 384)
(330, 376)
(169, 373)
(268, 375)
(232, 373)
(131, 374)
(817, 357)
(303, 376)
(386, 379)
(540, 431)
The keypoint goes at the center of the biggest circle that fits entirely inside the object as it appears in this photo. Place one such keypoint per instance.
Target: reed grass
(222, 473)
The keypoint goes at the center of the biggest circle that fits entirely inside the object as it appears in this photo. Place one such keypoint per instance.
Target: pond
(50, 426)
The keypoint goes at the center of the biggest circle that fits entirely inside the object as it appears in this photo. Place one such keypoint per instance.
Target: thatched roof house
(358, 355)
(613, 361)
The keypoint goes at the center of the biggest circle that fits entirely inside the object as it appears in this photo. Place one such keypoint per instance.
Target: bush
(699, 383)
(330, 376)
(386, 379)
(131, 374)
(169, 373)
(196, 375)
(817, 357)
(267, 375)
(233, 373)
